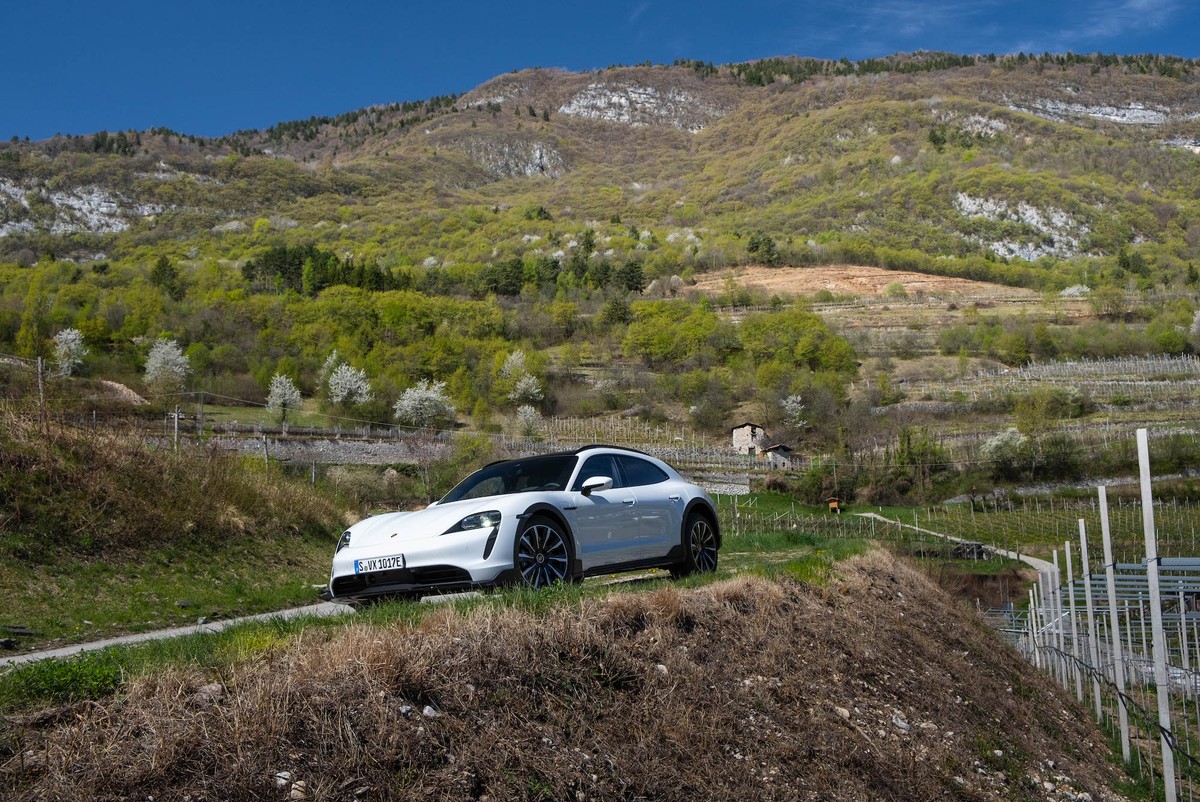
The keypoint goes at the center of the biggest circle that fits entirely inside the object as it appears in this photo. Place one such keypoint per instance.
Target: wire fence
(1123, 634)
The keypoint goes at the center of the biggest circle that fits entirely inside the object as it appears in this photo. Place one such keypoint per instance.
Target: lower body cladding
(443, 564)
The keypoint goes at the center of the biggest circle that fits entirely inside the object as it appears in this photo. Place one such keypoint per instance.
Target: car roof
(574, 452)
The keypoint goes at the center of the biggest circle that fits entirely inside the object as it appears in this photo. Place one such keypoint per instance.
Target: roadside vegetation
(101, 533)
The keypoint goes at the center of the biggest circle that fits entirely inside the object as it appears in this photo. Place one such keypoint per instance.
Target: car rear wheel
(699, 546)
(542, 555)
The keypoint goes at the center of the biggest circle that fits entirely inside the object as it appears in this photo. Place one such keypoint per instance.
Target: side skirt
(673, 557)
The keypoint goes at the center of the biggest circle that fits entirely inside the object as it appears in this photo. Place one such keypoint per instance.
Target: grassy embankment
(100, 534)
(869, 684)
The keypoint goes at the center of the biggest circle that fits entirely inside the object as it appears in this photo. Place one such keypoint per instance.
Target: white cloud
(862, 28)
(1110, 18)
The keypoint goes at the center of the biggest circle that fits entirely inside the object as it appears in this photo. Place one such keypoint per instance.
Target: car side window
(640, 472)
(598, 465)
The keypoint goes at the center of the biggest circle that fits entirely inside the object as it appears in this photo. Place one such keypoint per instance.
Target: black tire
(699, 547)
(542, 555)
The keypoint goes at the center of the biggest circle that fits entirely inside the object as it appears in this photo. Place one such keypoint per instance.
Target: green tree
(1011, 348)
(1108, 301)
(631, 277)
(762, 248)
(165, 276)
(35, 324)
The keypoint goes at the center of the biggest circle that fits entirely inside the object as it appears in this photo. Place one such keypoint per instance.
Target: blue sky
(210, 68)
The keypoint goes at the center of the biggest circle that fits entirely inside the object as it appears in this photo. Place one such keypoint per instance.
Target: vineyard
(1124, 382)
(1038, 526)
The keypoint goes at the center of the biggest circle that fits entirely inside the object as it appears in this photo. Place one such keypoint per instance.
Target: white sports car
(534, 521)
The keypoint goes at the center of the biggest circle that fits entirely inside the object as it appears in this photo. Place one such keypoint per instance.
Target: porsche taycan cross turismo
(534, 521)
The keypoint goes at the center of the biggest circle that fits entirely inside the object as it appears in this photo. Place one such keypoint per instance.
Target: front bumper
(441, 564)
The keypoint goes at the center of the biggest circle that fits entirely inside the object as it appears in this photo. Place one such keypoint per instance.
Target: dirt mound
(852, 280)
(121, 392)
(878, 687)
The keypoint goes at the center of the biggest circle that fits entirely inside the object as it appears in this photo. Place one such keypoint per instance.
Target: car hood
(404, 527)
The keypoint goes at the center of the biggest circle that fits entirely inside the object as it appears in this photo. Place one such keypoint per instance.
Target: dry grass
(98, 493)
(728, 691)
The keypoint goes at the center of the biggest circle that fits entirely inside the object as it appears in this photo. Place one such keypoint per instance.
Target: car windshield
(515, 476)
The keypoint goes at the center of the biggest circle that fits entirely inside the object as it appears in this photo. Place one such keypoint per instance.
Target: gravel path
(317, 610)
(1041, 566)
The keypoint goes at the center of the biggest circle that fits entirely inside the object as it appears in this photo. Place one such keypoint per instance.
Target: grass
(216, 415)
(799, 555)
(164, 586)
(102, 535)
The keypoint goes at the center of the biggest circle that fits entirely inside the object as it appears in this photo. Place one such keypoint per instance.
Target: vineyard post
(1033, 627)
(1093, 647)
(1056, 611)
(1074, 625)
(1046, 612)
(1160, 646)
(1183, 640)
(1146, 648)
(1196, 646)
(1118, 658)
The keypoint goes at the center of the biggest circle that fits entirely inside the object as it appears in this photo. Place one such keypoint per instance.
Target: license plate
(378, 564)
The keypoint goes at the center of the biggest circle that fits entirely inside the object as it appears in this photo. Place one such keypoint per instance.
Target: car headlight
(343, 541)
(478, 520)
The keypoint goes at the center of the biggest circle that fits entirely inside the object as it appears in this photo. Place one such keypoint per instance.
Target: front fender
(555, 514)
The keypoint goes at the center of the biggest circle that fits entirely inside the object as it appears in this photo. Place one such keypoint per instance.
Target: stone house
(748, 438)
(780, 457)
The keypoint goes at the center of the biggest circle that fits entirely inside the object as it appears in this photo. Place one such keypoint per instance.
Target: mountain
(930, 161)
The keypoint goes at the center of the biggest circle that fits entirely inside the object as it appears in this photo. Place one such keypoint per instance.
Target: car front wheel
(699, 545)
(542, 555)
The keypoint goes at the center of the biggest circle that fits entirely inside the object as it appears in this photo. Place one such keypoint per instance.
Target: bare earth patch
(851, 280)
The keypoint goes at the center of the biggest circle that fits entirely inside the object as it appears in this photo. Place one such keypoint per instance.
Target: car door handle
(674, 497)
(627, 501)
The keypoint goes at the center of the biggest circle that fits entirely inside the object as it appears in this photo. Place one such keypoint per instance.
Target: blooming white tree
(793, 410)
(166, 368)
(424, 405)
(528, 390)
(349, 385)
(529, 420)
(330, 365)
(514, 365)
(282, 397)
(1007, 452)
(69, 351)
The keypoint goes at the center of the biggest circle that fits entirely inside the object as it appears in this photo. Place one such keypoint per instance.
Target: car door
(604, 522)
(659, 510)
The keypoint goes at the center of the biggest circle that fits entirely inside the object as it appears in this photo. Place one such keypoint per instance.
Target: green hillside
(833, 161)
(532, 247)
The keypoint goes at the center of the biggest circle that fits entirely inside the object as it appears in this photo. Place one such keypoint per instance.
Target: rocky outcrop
(1056, 232)
(641, 105)
(25, 208)
(515, 158)
(1131, 114)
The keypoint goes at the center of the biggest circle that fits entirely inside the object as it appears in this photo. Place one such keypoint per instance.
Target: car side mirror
(596, 483)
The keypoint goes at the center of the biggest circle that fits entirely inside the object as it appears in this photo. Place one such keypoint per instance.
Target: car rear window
(640, 472)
